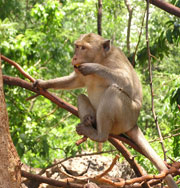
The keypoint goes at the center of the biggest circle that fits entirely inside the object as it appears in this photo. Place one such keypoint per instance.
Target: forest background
(39, 35)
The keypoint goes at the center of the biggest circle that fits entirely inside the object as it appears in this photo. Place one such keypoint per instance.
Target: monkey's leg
(86, 111)
(104, 119)
(137, 136)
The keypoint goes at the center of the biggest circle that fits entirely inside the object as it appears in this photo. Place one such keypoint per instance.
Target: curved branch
(167, 7)
(24, 84)
(18, 67)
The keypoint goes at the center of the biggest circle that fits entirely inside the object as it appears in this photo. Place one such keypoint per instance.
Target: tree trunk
(10, 174)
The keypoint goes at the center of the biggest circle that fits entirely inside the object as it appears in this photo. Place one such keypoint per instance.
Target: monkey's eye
(83, 47)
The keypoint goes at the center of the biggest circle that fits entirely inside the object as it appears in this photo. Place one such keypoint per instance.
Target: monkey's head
(90, 48)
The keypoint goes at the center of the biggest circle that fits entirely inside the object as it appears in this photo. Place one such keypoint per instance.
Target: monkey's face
(90, 48)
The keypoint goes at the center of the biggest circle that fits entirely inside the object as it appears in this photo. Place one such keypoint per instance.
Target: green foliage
(39, 35)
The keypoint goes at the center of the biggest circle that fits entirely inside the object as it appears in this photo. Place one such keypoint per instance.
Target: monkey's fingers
(80, 141)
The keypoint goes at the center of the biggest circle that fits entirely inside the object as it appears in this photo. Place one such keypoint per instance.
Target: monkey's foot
(81, 129)
(89, 120)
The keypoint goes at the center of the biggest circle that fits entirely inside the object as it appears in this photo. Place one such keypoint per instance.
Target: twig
(74, 173)
(165, 137)
(139, 39)
(48, 130)
(151, 84)
(18, 67)
(81, 140)
(130, 11)
(109, 169)
(32, 97)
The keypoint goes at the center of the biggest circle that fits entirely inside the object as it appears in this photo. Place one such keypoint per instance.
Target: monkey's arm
(103, 71)
(72, 81)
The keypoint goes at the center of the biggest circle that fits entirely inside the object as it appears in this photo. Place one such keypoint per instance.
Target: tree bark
(10, 174)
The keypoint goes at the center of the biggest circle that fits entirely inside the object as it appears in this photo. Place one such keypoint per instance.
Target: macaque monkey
(114, 94)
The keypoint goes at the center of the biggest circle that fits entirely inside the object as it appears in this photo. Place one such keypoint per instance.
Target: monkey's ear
(107, 45)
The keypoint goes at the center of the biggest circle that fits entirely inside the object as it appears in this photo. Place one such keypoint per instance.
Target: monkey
(114, 94)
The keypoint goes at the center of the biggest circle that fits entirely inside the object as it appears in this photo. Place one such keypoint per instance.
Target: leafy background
(39, 35)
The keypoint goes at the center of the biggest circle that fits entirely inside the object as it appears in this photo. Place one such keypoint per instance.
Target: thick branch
(24, 84)
(49, 181)
(167, 7)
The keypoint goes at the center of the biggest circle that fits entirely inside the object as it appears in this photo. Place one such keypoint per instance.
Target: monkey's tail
(137, 136)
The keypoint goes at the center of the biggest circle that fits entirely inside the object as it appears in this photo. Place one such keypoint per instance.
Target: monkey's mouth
(76, 66)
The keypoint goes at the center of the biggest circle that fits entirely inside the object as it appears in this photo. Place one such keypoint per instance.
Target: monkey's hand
(39, 84)
(88, 68)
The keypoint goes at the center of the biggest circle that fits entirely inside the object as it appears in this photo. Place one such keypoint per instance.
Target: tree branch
(18, 67)
(151, 84)
(99, 17)
(166, 7)
(49, 181)
(134, 165)
(130, 11)
(24, 84)
(139, 39)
